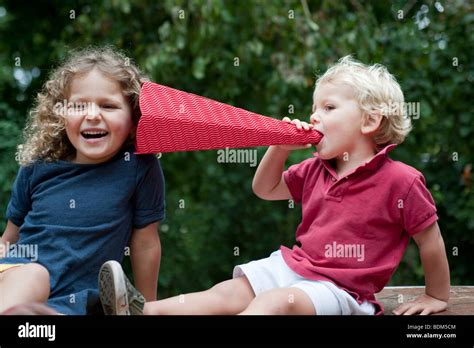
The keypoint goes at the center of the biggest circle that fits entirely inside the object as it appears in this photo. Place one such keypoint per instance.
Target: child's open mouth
(94, 135)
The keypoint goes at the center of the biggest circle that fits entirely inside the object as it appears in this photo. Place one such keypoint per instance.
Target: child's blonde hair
(45, 135)
(376, 90)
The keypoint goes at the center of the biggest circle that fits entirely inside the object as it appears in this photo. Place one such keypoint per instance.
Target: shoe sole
(112, 289)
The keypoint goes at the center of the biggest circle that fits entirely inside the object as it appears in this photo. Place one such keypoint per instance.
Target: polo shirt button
(333, 179)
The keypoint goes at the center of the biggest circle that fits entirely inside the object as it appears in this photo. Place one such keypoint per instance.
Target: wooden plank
(461, 300)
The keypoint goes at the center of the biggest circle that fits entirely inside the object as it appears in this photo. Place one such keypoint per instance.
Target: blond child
(81, 196)
(359, 210)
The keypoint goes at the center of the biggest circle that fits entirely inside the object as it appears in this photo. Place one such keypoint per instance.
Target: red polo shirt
(355, 229)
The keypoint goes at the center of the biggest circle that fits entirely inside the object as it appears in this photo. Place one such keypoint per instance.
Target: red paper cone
(173, 120)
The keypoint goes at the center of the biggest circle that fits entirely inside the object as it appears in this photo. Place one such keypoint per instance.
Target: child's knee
(40, 276)
(269, 304)
(235, 292)
(273, 302)
(223, 291)
(40, 271)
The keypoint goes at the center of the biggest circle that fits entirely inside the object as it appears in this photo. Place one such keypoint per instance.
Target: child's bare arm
(11, 233)
(268, 182)
(436, 268)
(145, 254)
(435, 262)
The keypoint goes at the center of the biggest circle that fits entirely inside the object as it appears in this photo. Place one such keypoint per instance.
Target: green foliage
(279, 47)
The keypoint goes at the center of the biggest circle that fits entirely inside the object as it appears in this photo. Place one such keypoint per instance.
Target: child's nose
(314, 118)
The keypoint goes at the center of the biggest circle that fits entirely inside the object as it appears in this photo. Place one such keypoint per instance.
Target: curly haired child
(81, 196)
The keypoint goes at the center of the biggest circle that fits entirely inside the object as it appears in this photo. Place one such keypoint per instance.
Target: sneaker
(117, 294)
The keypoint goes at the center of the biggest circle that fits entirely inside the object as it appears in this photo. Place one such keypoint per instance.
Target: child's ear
(371, 122)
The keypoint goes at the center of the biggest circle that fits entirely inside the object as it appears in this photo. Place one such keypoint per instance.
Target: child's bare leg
(229, 297)
(285, 301)
(22, 284)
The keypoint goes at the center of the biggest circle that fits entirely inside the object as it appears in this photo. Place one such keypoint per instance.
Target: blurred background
(263, 56)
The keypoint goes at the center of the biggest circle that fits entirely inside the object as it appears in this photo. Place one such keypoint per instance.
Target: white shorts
(327, 298)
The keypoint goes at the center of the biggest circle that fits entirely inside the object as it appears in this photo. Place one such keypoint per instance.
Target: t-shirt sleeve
(295, 177)
(20, 201)
(419, 209)
(149, 198)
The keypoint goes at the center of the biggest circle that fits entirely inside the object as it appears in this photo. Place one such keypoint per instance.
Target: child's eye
(109, 106)
(329, 107)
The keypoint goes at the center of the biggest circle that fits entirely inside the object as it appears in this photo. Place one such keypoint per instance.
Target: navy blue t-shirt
(81, 215)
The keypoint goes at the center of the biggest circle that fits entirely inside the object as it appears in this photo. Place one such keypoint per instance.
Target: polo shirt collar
(370, 165)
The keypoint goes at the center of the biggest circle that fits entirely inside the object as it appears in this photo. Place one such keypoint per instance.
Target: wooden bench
(461, 300)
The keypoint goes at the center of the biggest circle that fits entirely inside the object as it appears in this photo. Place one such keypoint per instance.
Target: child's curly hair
(45, 135)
